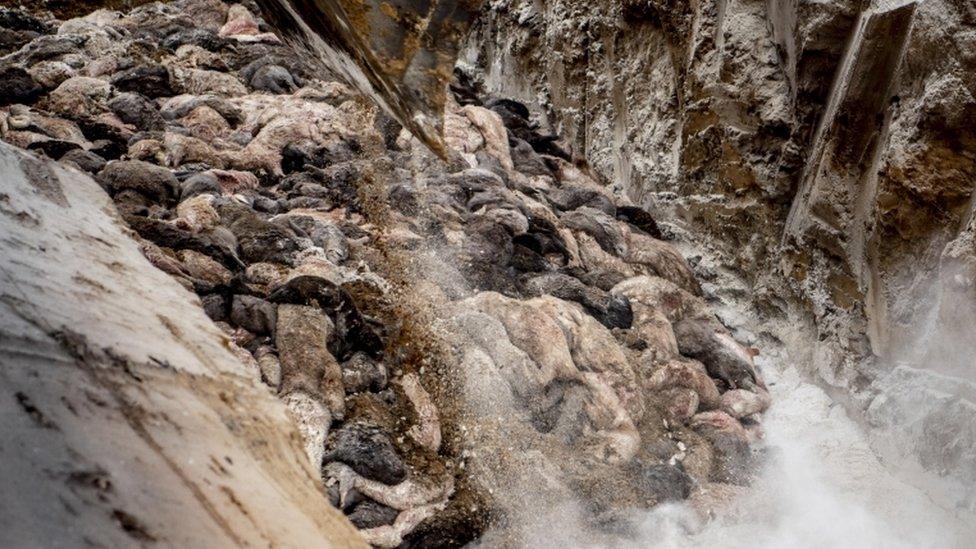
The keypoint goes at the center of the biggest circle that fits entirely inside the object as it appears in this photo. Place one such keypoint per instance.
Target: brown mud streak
(413, 345)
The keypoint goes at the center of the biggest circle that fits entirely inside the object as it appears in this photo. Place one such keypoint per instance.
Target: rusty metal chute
(399, 52)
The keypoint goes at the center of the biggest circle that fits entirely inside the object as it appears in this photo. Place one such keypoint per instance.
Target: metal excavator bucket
(400, 52)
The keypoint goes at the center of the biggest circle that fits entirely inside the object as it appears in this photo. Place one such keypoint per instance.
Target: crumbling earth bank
(443, 334)
(822, 150)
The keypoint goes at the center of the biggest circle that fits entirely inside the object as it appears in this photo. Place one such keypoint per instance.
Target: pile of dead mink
(288, 204)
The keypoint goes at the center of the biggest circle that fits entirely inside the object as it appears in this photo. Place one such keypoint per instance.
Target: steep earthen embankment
(824, 148)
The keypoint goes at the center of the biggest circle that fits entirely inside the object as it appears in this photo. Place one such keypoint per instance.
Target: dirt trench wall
(723, 117)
